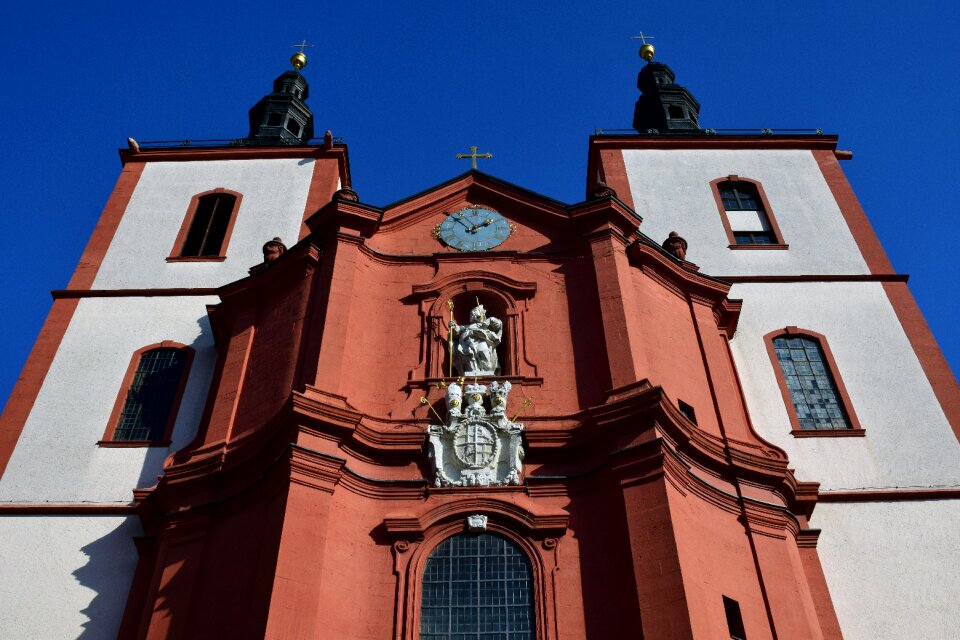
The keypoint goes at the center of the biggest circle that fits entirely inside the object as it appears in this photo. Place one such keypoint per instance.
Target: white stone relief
(475, 344)
(476, 447)
(477, 523)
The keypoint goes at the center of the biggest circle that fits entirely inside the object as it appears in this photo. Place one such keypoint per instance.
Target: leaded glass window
(810, 383)
(152, 393)
(477, 587)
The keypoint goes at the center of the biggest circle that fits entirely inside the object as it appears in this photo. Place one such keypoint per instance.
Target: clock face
(474, 229)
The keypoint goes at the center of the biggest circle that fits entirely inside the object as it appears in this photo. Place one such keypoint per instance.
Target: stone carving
(475, 344)
(273, 249)
(476, 446)
(676, 245)
(477, 523)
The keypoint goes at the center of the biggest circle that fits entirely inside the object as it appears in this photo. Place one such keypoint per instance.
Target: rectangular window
(734, 620)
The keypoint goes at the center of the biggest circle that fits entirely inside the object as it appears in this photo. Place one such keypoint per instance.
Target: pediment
(537, 222)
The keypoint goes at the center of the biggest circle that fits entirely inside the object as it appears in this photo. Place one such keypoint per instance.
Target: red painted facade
(303, 507)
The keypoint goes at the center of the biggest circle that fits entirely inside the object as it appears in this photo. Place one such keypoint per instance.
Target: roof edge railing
(709, 132)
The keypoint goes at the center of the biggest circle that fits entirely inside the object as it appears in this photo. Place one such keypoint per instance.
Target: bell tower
(283, 117)
(663, 105)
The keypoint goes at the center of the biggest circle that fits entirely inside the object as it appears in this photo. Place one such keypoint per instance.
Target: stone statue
(676, 245)
(477, 445)
(475, 344)
(272, 250)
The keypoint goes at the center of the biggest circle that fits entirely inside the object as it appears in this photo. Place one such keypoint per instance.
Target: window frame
(420, 535)
(175, 253)
(520, 551)
(109, 433)
(855, 428)
(778, 243)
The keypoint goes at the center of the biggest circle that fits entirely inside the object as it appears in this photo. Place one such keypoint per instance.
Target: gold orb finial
(646, 49)
(299, 59)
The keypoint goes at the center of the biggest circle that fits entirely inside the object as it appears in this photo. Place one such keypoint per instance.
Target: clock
(474, 229)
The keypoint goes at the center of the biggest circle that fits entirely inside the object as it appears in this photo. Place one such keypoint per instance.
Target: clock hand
(474, 228)
(460, 220)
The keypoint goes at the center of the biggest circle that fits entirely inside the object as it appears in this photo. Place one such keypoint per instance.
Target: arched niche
(503, 298)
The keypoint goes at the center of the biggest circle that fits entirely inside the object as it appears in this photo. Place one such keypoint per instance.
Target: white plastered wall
(671, 191)
(65, 576)
(893, 568)
(274, 197)
(908, 441)
(57, 458)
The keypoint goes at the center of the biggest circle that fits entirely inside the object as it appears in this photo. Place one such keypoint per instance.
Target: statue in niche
(475, 345)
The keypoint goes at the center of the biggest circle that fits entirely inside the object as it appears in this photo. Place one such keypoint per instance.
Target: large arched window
(207, 226)
(816, 398)
(149, 398)
(746, 215)
(477, 587)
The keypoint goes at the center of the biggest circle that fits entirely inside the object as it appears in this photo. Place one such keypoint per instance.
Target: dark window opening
(274, 119)
(209, 225)
(293, 126)
(477, 587)
(810, 383)
(734, 620)
(687, 411)
(674, 112)
(151, 396)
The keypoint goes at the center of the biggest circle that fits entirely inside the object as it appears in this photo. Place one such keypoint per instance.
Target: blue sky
(408, 85)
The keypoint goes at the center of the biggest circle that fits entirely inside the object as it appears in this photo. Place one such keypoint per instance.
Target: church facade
(700, 403)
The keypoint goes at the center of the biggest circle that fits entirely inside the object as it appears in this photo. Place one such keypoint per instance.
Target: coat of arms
(476, 446)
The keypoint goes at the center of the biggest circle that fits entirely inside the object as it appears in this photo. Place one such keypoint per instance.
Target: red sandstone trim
(934, 365)
(196, 258)
(131, 293)
(812, 142)
(817, 581)
(853, 213)
(31, 378)
(931, 359)
(758, 246)
(188, 220)
(615, 175)
(186, 154)
(827, 433)
(767, 211)
(890, 495)
(323, 185)
(103, 233)
(855, 428)
(108, 433)
(55, 508)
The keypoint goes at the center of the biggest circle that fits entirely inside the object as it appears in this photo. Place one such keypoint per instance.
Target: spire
(663, 106)
(282, 117)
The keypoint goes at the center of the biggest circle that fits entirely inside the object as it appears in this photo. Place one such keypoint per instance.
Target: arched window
(146, 408)
(816, 399)
(746, 214)
(477, 587)
(207, 227)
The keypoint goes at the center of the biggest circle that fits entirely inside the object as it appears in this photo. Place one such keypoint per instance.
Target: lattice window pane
(150, 397)
(477, 587)
(810, 383)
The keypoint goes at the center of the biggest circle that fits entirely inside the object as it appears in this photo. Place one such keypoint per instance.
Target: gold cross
(473, 155)
(642, 38)
(302, 45)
